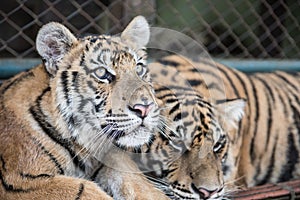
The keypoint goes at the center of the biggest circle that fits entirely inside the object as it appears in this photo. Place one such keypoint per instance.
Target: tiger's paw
(140, 190)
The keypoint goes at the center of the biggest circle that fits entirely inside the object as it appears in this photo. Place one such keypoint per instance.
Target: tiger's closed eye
(218, 147)
(140, 69)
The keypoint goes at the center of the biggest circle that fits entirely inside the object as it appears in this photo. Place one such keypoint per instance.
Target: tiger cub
(185, 158)
(59, 120)
(264, 147)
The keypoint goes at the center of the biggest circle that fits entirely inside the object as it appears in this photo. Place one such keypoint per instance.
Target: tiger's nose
(141, 110)
(205, 193)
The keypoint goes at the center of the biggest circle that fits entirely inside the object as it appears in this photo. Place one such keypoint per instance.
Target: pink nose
(142, 110)
(206, 193)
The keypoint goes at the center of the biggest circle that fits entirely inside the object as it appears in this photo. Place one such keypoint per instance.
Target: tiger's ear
(53, 42)
(230, 112)
(137, 33)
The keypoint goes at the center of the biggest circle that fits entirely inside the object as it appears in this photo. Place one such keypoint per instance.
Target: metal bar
(10, 67)
(251, 65)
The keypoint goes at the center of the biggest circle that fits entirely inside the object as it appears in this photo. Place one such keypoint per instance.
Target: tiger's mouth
(130, 130)
(137, 137)
(133, 134)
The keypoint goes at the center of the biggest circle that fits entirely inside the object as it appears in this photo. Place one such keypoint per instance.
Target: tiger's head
(101, 87)
(189, 164)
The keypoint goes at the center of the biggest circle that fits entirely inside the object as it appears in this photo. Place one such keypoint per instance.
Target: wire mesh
(228, 29)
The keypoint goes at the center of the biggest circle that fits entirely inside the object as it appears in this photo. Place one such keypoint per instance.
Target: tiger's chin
(137, 137)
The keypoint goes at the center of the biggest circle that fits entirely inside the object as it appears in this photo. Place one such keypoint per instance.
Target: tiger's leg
(50, 188)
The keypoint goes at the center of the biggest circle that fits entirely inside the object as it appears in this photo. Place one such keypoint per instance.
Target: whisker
(91, 144)
(105, 140)
(156, 180)
(164, 128)
(233, 181)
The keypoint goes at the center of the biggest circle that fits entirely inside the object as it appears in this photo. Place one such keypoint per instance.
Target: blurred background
(229, 29)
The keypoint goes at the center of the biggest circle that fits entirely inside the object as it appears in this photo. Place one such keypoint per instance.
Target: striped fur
(192, 130)
(59, 120)
(265, 146)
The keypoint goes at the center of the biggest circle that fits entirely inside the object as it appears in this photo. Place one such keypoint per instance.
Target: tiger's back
(266, 146)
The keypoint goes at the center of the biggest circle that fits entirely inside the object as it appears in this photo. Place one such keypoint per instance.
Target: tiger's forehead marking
(203, 121)
(110, 53)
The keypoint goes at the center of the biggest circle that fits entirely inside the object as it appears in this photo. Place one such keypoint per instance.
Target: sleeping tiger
(59, 120)
(185, 159)
(215, 150)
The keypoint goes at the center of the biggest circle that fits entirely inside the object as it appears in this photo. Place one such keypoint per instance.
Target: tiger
(60, 120)
(185, 158)
(232, 130)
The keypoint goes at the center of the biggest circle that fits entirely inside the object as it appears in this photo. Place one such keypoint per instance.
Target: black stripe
(294, 91)
(50, 155)
(270, 122)
(188, 123)
(10, 188)
(227, 100)
(164, 153)
(17, 81)
(50, 130)
(100, 105)
(3, 163)
(83, 64)
(184, 190)
(214, 86)
(180, 115)
(194, 82)
(237, 75)
(223, 69)
(168, 62)
(97, 47)
(281, 100)
(203, 121)
(31, 176)
(287, 81)
(80, 192)
(74, 82)
(270, 167)
(191, 102)
(292, 156)
(242, 83)
(65, 85)
(172, 100)
(90, 84)
(225, 168)
(256, 108)
(195, 116)
(229, 79)
(165, 95)
(296, 116)
(174, 108)
(268, 93)
(167, 172)
(174, 87)
(267, 87)
(205, 73)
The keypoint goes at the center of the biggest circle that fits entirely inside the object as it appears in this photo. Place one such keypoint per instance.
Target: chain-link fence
(228, 28)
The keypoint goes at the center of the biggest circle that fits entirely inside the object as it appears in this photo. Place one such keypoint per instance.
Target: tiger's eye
(100, 73)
